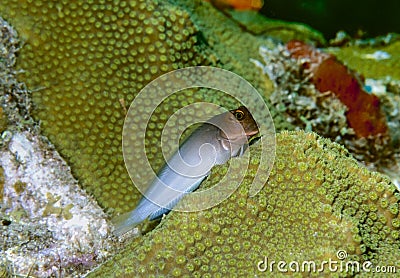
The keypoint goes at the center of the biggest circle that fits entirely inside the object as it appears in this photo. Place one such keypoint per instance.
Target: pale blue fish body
(206, 147)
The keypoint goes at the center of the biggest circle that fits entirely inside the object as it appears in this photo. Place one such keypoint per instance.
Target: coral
(316, 202)
(283, 31)
(14, 98)
(327, 74)
(48, 225)
(361, 56)
(3, 120)
(33, 242)
(233, 44)
(306, 108)
(297, 99)
(1, 185)
(241, 5)
(84, 62)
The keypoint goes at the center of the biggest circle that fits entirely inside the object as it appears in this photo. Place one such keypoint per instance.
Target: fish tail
(126, 222)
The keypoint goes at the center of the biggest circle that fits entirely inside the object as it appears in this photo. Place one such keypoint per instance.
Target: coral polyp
(307, 210)
(81, 60)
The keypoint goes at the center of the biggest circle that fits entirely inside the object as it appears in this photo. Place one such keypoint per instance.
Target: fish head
(243, 116)
(236, 126)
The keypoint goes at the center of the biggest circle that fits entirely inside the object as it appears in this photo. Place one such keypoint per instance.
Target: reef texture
(297, 97)
(242, 5)
(327, 74)
(15, 102)
(374, 58)
(49, 225)
(255, 23)
(232, 44)
(309, 209)
(85, 62)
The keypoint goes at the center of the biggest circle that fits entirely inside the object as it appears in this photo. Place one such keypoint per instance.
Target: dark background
(358, 18)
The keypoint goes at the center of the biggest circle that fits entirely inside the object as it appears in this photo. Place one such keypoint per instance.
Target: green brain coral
(309, 209)
(85, 62)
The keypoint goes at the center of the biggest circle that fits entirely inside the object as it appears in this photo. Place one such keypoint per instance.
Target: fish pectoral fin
(225, 143)
(240, 151)
(158, 213)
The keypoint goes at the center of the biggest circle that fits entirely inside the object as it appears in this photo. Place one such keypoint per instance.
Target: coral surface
(48, 225)
(377, 59)
(309, 209)
(242, 5)
(15, 101)
(327, 74)
(296, 96)
(85, 62)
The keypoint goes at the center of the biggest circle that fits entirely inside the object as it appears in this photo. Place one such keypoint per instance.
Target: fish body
(213, 143)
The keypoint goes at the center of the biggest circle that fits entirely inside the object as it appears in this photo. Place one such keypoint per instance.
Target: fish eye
(239, 115)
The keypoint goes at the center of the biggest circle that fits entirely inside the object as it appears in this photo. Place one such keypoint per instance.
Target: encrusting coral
(298, 98)
(309, 209)
(85, 63)
(43, 211)
(239, 5)
(362, 55)
(15, 102)
(364, 113)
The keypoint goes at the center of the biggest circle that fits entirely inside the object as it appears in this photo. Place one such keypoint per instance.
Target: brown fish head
(236, 126)
(246, 120)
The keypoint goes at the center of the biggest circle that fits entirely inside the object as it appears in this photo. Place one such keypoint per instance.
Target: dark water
(366, 18)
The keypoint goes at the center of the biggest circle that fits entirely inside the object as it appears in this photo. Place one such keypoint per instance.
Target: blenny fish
(213, 143)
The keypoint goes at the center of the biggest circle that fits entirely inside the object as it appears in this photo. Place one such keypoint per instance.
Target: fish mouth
(248, 135)
(251, 133)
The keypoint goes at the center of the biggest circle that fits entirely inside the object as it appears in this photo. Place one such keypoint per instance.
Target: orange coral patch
(328, 74)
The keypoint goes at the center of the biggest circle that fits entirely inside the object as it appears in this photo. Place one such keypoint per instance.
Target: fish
(240, 5)
(213, 143)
